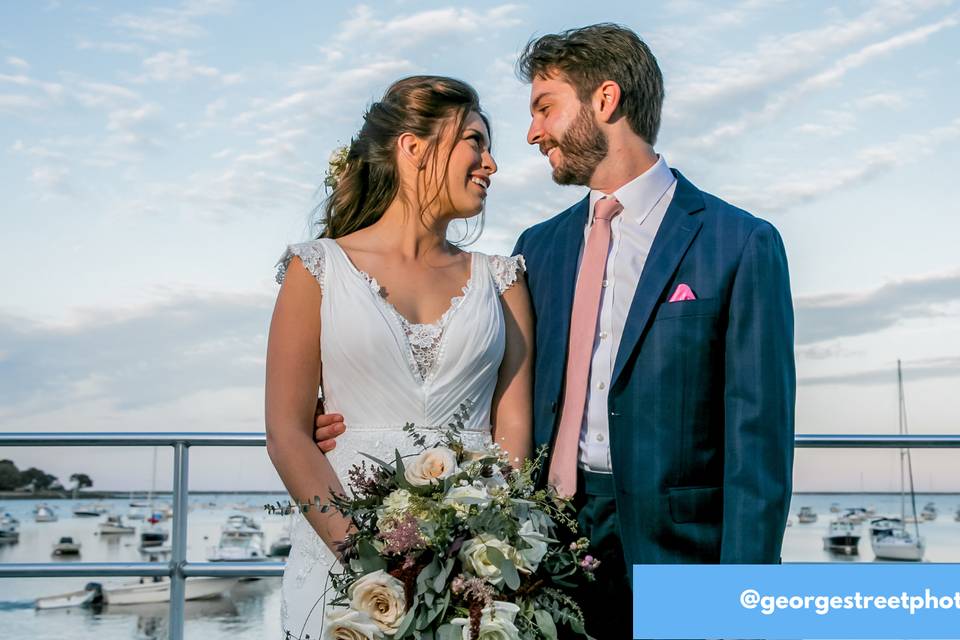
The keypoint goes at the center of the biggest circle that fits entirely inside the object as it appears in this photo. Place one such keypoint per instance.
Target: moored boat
(806, 515)
(66, 547)
(114, 525)
(146, 591)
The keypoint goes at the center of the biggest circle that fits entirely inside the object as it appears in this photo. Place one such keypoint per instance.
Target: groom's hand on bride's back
(326, 428)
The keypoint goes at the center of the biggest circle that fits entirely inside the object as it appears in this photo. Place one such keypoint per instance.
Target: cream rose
(382, 598)
(532, 556)
(431, 466)
(473, 555)
(350, 624)
(496, 622)
(468, 494)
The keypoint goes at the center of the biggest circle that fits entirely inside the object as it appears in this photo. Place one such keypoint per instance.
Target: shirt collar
(640, 194)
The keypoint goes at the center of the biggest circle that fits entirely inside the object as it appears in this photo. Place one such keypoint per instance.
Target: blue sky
(157, 157)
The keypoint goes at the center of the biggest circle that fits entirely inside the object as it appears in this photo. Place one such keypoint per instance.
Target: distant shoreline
(108, 495)
(142, 495)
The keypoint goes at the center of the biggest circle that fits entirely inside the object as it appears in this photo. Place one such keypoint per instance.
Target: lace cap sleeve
(506, 270)
(311, 253)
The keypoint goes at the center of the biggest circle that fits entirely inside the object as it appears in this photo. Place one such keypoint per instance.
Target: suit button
(614, 414)
(605, 283)
(599, 437)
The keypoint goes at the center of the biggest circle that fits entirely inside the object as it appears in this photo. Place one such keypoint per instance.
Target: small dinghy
(146, 591)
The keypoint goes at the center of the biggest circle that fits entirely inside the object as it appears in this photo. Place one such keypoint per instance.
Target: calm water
(252, 610)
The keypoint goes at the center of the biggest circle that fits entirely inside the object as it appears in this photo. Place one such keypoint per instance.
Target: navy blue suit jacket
(701, 402)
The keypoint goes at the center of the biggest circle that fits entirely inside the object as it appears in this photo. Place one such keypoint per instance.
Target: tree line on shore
(33, 479)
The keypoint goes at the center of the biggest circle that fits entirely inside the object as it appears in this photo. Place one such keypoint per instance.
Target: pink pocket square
(682, 293)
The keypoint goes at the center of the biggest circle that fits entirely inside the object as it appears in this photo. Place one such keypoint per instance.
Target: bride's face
(468, 170)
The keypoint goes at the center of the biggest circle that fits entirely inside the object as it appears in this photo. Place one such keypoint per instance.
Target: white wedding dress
(380, 372)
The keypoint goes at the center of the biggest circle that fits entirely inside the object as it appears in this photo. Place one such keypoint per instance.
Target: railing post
(178, 551)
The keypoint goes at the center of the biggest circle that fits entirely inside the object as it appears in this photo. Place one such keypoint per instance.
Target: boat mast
(904, 431)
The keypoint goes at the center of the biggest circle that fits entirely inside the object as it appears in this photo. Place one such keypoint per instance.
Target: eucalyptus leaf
(547, 626)
(406, 621)
(449, 632)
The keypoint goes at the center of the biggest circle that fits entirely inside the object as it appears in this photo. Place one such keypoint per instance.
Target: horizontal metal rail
(253, 439)
(178, 569)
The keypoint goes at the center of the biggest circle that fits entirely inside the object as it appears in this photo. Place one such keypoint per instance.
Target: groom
(664, 375)
(664, 378)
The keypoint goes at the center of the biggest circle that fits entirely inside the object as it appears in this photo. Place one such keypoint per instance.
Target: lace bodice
(424, 340)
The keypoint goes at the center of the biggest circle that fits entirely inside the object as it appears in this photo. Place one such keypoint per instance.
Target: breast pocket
(688, 309)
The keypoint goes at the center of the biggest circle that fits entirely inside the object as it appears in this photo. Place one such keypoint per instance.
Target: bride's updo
(369, 180)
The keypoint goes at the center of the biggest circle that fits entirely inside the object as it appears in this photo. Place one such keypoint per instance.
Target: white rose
(468, 494)
(350, 624)
(496, 623)
(473, 555)
(382, 597)
(532, 556)
(431, 466)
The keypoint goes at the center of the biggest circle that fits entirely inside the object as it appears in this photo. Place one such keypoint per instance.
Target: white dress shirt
(645, 200)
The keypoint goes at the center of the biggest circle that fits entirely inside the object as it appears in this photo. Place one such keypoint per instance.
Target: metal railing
(178, 569)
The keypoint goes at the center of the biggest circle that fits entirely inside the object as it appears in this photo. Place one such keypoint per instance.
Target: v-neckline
(377, 291)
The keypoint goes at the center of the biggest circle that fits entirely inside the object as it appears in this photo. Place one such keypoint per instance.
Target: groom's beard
(583, 146)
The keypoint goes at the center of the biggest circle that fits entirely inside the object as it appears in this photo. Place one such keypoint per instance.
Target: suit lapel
(564, 264)
(677, 230)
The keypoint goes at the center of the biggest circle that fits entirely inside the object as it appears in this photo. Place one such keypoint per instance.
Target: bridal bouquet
(452, 544)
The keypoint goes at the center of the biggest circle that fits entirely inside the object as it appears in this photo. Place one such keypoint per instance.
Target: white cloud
(175, 66)
(780, 57)
(19, 63)
(52, 181)
(867, 164)
(110, 47)
(826, 78)
(164, 24)
(365, 24)
(836, 315)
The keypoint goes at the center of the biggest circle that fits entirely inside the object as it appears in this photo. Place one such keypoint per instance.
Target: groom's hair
(588, 56)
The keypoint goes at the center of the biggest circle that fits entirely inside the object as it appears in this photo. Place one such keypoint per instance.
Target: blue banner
(830, 600)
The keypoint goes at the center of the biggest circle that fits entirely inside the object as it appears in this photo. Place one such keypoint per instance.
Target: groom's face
(566, 131)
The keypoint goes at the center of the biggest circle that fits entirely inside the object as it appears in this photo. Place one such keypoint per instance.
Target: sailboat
(152, 534)
(890, 538)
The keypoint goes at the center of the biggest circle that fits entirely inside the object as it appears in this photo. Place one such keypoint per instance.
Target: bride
(393, 321)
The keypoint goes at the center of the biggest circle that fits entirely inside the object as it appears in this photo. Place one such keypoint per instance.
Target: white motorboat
(136, 514)
(146, 591)
(153, 536)
(806, 515)
(281, 547)
(834, 507)
(241, 540)
(89, 510)
(890, 538)
(843, 536)
(929, 512)
(114, 525)
(66, 547)
(9, 528)
(44, 513)
(855, 515)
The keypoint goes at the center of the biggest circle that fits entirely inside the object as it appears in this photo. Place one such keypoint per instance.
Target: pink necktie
(583, 330)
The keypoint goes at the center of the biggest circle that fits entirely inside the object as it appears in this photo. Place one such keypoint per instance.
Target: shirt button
(604, 283)
(602, 386)
(599, 437)
(603, 335)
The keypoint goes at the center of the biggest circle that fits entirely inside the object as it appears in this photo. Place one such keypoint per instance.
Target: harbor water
(252, 609)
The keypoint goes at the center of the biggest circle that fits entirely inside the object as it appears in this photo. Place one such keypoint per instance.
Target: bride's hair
(369, 179)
